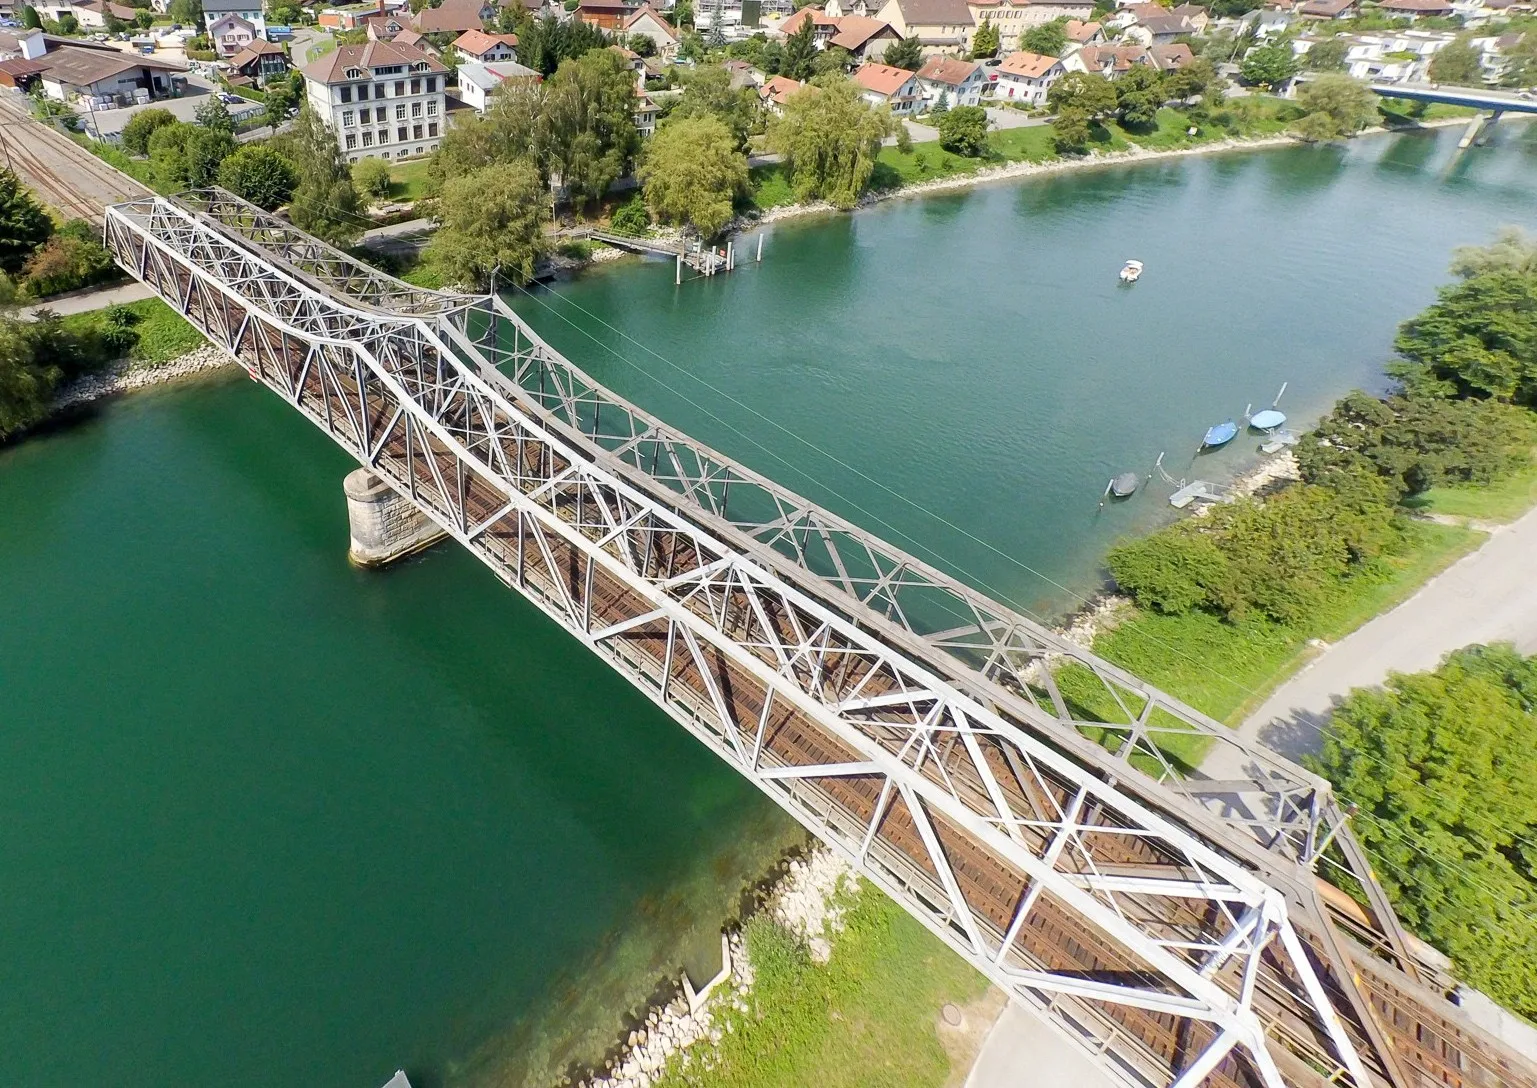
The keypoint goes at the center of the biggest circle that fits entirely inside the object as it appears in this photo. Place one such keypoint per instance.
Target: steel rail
(931, 745)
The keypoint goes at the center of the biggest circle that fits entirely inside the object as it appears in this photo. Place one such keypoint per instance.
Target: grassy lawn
(1227, 669)
(769, 187)
(1403, 111)
(322, 47)
(408, 180)
(424, 275)
(1503, 501)
(867, 1017)
(163, 335)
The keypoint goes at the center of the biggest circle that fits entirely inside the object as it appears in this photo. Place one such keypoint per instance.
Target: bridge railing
(1014, 839)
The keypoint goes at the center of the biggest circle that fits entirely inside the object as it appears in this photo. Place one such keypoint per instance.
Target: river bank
(125, 376)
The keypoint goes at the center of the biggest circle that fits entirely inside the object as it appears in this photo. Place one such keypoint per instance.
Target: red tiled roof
(1028, 65)
(883, 79)
(1078, 31)
(477, 42)
(946, 70)
(779, 88)
(661, 20)
(460, 15)
(855, 30)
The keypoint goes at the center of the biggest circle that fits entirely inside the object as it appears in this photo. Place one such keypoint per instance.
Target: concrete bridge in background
(1491, 103)
(1017, 795)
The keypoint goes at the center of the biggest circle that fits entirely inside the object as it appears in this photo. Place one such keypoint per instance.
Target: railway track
(558, 556)
(60, 171)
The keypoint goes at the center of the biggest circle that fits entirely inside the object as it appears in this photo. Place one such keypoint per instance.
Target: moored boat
(1131, 271)
(1124, 485)
(1268, 420)
(1220, 435)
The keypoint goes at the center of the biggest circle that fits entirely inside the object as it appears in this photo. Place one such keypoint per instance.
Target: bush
(631, 217)
(963, 131)
(73, 258)
(260, 175)
(1419, 442)
(1281, 558)
(371, 177)
(24, 225)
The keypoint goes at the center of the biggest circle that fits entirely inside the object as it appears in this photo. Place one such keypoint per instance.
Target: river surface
(269, 820)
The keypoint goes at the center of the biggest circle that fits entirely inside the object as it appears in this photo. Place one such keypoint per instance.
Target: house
(1153, 25)
(1014, 17)
(958, 82)
(1394, 57)
(89, 14)
(1081, 33)
(645, 114)
(104, 74)
(259, 62)
(1415, 9)
(385, 28)
(479, 81)
(776, 91)
(1171, 57)
(483, 48)
(249, 10)
(826, 25)
(863, 36)
(382, 98)
(941, 26)
(1026, 77)
(742, 74)
(230, 34)
(1327, 9)
(605, 14)
(454, 17)
(647, 22)
(895, 88)
(1109, 61)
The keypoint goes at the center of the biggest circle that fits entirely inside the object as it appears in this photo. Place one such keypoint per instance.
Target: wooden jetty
(704, 260)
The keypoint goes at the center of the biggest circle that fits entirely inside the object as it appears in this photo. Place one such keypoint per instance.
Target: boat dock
(1197, 491)
(704, 260)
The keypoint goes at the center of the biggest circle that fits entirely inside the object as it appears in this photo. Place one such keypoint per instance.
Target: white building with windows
(381, 99)
(249, 10)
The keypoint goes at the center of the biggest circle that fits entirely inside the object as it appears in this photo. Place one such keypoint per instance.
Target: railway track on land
(61, 172)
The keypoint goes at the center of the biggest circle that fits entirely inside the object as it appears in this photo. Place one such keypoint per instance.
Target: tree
(544, 43)
(631, 217)
(1478, 338)
(588, 123)
(829, 137)
(1070, 130)
(324, 201)
(260, 175)
(800, 51)
(1085, 92)
(1328, 55)
(144, 20)
(29, 17)
(168, 155)
(1342, 105)
(963, 131)
(213, 114)
(641, 45)
(68, 24)
(26, 385)
(205, 151)
(511, 128)
(1458, 63)
(24, 224)
(1234, 9)
(282, 94)
(1047, 39)
(1139, 94)
(491, 220)
(1442, 767)
(1269, 65)
(186, 12)
(904, 53)
(1513, 250)
(1197, 77)
(692, 172)
(371, 178)
(709, 93)
(985, 42)
(141, 126)
(1419, 442)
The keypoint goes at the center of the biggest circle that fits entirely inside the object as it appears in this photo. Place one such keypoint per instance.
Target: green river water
(269, 820)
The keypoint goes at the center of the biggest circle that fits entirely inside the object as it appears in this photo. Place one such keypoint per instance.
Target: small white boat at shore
(1131, 271)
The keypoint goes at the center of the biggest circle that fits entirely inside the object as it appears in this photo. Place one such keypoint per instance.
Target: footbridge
(1490, 103)
(1006, 787)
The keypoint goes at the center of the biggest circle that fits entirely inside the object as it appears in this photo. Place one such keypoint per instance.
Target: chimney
(33, 45)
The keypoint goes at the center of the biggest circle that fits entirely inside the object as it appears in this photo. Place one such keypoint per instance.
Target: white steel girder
(553, 521)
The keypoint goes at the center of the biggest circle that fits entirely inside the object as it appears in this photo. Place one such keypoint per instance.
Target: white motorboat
(1131, 272)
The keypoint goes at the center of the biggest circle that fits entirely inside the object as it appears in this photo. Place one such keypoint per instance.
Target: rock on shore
(124, 377)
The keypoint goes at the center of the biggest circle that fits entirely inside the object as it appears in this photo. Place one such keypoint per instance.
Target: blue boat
(1220, 435)
(1268, 420)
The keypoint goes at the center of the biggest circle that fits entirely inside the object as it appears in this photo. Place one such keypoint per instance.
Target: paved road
(1489, 596)
(1021, 1050)
(100, 298)
(305, 39)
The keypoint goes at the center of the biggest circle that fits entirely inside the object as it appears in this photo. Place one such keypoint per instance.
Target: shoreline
(125, 377)
(1093, 161)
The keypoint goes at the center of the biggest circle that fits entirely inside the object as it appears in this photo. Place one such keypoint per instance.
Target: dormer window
(354, 73)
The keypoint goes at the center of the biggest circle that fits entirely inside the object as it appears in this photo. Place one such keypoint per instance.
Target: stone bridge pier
(383, 524)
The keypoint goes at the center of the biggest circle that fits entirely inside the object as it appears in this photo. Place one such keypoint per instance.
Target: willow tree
(692, 172)
(829, 137)
(491, 221)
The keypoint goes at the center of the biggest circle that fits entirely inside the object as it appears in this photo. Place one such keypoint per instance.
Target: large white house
(249, 10)
(381, 99)
(1026, 77)
(958, 82)
(478, 82)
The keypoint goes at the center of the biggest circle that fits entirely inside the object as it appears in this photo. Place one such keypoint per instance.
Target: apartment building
(381, 99)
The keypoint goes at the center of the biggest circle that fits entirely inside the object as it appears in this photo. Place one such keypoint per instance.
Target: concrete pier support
(383, 525)
(1478, 127)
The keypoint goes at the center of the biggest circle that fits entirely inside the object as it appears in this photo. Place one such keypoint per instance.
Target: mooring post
(760, 247)
(678, 273)
(730, 256)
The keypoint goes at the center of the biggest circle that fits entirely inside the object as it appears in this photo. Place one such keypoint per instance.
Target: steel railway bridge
(1005, 786)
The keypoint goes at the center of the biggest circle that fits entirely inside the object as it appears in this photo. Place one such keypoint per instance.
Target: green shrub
(631, 217)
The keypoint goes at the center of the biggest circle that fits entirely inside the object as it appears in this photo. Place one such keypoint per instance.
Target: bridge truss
(914, 725)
